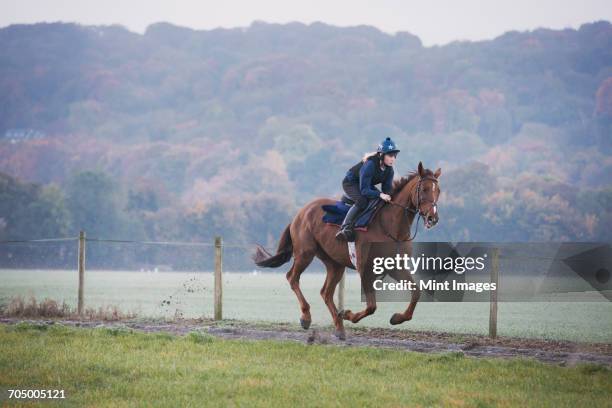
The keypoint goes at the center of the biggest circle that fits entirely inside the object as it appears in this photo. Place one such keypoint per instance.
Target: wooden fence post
(218, 278)
(81, 262)
(493, 304)
(340, 289)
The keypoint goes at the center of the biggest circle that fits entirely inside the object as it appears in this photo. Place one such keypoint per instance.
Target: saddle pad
(334, 214)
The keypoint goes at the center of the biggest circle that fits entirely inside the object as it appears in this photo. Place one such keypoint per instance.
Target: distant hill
(215, 123)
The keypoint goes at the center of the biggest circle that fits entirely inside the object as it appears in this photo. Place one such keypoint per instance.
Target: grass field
(267, 297)
(115, 367)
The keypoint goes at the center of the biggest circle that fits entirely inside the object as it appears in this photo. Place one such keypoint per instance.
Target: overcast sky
(434, 21)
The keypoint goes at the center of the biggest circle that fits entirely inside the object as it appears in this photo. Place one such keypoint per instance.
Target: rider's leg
(352, 190)
(349, 219)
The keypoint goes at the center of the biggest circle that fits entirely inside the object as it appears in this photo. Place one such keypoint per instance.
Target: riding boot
(346, 230)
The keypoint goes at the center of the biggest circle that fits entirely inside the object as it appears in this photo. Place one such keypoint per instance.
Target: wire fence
(122, 254)
(223, 293)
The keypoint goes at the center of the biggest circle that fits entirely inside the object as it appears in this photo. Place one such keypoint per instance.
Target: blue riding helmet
(387, 146)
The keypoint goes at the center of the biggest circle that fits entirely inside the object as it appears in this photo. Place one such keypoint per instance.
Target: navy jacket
(368, 174)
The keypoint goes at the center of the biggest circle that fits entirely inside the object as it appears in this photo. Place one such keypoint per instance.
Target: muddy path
(548, 351)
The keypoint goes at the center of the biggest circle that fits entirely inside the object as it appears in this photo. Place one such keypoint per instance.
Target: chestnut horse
(308, 236)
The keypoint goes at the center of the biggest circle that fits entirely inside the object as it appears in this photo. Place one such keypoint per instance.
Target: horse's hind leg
(300, 263)
(335, 272)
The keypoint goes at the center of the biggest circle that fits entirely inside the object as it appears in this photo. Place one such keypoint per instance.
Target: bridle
(408, 209)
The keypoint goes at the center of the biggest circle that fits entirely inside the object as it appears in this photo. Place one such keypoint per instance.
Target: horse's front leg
(370, 308)
(367, 283)
(398, 318)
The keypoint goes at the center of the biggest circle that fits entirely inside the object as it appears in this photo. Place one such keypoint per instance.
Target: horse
(307, 236)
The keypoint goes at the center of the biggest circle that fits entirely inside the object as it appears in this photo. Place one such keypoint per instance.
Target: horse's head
(419, 192)
(427, 194)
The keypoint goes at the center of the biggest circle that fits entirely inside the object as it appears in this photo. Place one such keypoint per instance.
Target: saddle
(335, 213)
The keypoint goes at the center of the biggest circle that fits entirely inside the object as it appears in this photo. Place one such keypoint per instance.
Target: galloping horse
(308, 236)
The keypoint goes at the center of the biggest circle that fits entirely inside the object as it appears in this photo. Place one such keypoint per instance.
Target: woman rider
(359, 182)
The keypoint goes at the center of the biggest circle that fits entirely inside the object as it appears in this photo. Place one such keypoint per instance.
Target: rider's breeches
(352, 190)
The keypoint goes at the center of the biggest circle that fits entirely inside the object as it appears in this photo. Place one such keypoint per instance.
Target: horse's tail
(283, 253)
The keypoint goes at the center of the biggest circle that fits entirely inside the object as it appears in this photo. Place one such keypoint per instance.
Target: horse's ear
(421, 169)
(438, 173)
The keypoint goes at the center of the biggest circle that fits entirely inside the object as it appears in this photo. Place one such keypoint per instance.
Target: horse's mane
(399, 184)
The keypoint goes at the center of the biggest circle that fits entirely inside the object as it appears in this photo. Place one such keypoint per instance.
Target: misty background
(182, 134)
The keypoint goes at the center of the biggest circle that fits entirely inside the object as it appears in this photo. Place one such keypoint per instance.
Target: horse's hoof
(305, 324)
(340, 334)
(397, 318)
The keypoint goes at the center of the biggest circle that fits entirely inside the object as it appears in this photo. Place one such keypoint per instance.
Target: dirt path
(549, 351)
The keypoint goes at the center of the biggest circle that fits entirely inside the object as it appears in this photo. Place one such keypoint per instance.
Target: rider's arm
(387, 185)
(365, 180)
